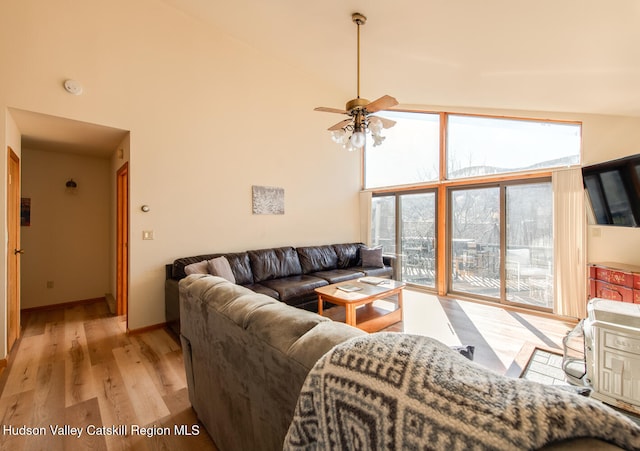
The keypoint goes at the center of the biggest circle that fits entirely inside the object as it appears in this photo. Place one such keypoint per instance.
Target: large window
(481, 146)
(409, 153)
(494, 239)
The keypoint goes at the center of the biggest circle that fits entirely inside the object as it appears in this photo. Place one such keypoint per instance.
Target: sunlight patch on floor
(423, 315)
(497, 324)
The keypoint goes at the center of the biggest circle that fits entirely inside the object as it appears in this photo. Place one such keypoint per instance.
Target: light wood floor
(76, 366)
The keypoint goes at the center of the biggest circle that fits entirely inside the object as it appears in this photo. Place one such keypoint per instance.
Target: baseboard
(63, 305)
(142, 330)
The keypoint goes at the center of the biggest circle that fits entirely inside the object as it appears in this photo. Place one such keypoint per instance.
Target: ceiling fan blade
(329, 110)
(339, 125)
(383, 103)
(386, 123)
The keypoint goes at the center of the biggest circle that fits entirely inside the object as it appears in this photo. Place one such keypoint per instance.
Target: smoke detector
(73, 87)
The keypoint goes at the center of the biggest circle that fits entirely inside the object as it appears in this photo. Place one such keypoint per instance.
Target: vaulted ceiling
(549, 55)
(579, 56)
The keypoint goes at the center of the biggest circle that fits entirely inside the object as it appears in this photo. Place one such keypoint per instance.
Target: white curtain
(569, 231)
(365, 217)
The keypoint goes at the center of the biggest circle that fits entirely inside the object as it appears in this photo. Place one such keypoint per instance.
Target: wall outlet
(49, 283)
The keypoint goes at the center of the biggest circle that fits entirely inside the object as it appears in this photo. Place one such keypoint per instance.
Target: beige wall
(68, 241)
(208, 117)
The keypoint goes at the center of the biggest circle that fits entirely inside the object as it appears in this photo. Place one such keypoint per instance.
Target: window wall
(480, 224)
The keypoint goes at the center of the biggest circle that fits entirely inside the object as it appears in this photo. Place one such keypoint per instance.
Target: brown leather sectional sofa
(287, 274)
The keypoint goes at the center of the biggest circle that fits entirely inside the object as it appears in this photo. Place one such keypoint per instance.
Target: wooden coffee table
(365, 294)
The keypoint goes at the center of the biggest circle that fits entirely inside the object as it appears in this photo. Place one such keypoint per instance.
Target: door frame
(122, 241)
(13, 248)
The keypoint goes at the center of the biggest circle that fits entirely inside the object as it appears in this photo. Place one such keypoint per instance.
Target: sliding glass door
(516, 218)
(529, 244)
(475, 241)
(412, 239)
(418, 238)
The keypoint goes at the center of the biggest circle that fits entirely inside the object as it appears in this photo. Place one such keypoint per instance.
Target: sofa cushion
(266, 323)
(348, 254)
(371, 257)
(295, 287)
(220, 267)
(259, 288)
(240, 267)
(338, 275)
(387, 271)
(197, 268)
(268, 264)
(314, 344)
(317, 258)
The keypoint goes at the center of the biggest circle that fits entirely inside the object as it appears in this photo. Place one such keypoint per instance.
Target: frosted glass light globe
(339, 136)
(375, 125)
(358, 140)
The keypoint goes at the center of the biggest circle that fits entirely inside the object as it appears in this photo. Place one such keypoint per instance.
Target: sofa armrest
(392, 260)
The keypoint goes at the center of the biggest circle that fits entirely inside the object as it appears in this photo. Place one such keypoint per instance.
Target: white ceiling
(548, 55)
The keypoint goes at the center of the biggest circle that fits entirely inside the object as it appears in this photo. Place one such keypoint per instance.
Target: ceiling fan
(360, 112)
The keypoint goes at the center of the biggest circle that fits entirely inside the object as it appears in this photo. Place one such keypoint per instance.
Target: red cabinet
(614, 281)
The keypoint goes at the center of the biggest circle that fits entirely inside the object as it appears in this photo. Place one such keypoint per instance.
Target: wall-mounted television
(613, 190)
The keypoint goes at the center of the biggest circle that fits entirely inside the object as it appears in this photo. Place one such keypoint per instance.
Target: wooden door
(13, 249)
(122, 240)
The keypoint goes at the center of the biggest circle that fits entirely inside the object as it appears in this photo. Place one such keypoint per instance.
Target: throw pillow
(197, 268)
(371, 257)
(220, 267)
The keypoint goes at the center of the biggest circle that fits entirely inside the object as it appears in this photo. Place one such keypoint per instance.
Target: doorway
(53, 134)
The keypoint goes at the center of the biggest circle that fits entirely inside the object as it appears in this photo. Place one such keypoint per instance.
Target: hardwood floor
(498, 334)
(75, 367)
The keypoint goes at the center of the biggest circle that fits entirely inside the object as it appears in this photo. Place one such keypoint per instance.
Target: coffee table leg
(350, 314)
(320, 305)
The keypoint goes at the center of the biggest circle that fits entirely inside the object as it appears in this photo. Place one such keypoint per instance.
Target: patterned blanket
(396, 391)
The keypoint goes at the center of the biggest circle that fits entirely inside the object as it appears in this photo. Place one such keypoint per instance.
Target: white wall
(68, 241)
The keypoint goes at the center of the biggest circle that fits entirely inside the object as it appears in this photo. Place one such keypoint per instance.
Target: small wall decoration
(25, 211)
(267, 200)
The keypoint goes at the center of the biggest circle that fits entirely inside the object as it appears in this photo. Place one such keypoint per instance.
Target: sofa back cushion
(240, 267)
(348, 254)
(267, 264)
(317, 258)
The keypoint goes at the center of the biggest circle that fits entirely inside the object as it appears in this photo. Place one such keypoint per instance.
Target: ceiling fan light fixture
(339, 136)
(360, 123)
(358, 139)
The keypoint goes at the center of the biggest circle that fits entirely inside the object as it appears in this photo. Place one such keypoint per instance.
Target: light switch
(147, 234)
